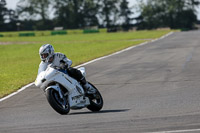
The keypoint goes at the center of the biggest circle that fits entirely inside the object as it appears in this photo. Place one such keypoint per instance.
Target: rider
(60, 61)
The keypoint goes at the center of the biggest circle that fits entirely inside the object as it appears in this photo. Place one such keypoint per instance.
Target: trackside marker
(129, 48)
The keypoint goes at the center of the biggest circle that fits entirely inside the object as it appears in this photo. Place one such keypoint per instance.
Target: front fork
(57, 88)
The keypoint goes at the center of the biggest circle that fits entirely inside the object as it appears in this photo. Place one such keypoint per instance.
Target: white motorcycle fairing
(52, 78)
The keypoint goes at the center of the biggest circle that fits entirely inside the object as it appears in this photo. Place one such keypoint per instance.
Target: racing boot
(87, 87)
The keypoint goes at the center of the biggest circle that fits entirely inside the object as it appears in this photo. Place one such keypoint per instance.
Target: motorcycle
(64, 92)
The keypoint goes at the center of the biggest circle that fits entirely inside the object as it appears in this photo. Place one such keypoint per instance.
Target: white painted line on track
(14, 93)
(129, 48)
(177, 131)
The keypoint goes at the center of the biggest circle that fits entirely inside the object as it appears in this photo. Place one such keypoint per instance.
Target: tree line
(75, 14)
(176, 14)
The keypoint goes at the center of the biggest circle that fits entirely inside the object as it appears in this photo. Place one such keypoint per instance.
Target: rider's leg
(75, 73)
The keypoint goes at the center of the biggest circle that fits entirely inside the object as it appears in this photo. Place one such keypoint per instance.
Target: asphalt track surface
(151, 88)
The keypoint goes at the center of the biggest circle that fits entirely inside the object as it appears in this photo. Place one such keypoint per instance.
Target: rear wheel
(60, 105)
(96, 100)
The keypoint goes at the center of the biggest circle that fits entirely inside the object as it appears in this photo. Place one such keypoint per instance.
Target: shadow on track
(102, 111)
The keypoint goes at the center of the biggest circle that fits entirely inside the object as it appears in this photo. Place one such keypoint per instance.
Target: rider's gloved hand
(63, 65)
(66, 66)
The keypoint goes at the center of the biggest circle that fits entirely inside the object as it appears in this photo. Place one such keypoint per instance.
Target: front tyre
(96, 100)
(58, 104)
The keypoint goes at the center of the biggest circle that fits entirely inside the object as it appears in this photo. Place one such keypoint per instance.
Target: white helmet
(46, 52)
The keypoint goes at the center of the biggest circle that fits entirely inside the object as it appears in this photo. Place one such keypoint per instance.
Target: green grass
(19, 62)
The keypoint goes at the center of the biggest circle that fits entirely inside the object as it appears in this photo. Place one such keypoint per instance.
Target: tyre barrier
(58, 32)
(90, 31)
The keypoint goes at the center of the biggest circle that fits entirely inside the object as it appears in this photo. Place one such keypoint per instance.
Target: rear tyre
(96, 100)
(58, 104)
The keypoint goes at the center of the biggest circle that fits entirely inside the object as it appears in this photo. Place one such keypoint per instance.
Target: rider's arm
(63, 60)
(42, 67)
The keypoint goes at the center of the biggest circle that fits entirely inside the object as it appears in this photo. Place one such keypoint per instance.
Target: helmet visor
(44, 56)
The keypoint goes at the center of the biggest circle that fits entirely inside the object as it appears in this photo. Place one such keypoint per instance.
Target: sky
(11, 4)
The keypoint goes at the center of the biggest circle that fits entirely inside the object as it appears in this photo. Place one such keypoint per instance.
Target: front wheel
(60, 105)
(96, 100)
